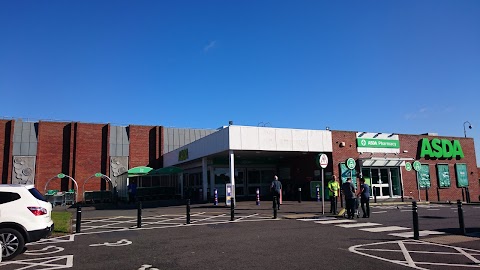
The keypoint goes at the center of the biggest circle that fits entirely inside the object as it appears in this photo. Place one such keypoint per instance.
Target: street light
(464, 130)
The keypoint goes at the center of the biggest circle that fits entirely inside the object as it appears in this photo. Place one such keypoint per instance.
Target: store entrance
(384, 181)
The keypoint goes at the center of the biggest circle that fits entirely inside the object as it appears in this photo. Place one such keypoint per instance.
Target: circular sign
(417, 166)
(323, 161)
(351, 163)
(408, 166)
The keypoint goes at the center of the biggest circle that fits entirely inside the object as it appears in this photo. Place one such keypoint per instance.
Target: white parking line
(356, 225)
(433, 209)
(421, 233)
(335, 221)
(379, 212)
(385, 229)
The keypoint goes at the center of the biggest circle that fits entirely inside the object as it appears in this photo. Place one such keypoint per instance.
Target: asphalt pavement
(300, 238)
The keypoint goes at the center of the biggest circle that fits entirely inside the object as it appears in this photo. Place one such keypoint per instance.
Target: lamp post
(464, 129)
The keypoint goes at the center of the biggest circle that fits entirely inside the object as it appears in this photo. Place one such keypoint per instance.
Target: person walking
(364, 194)
(276, 188)
(333, 187)
(348, 190)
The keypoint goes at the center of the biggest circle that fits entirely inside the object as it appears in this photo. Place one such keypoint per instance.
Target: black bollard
(232, 209)
(139, 214)
(299, 195)
(416, 234)
(188, 211)
(79, 219)
(374, 195)
(426, 194)
(403, 198)
(460, 218)
(275, 207)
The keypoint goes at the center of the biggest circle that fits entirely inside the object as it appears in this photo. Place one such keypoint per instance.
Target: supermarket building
(177, 163)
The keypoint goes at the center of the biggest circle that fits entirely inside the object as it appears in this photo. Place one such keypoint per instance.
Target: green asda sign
(377, 143)
(443, 148)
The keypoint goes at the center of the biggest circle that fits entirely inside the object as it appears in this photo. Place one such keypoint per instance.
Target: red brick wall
(91, 155)
(410, 143)
(144, 146)
(342, 153)
(51, 155)
(6, 144)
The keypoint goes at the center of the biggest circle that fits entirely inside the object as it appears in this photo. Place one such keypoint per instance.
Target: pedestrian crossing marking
(316, 219)
(421, 233)
(355, 225)
(335, 221)
(385, 229)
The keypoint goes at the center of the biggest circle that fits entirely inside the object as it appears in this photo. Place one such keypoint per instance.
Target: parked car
(25, 216)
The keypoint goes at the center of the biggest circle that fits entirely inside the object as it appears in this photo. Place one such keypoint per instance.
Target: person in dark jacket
(276, 188)
(364, 194)
(348, 190)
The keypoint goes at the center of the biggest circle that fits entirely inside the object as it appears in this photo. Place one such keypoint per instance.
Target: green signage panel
(98, 174)
(462, 175)
(377, 143)
(441, 148)
(417, 166)
(443, 175)
(423, 176)
(351, 163)
(408, 166)
(347, 173)
(60, 175)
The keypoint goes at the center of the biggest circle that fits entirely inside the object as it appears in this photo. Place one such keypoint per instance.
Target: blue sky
(377, 66)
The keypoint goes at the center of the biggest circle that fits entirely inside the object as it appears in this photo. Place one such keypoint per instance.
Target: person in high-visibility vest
(333, 187)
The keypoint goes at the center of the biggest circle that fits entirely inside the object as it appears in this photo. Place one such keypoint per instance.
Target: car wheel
(12, 243)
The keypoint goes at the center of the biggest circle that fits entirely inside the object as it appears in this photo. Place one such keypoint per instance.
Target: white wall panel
(266, 139)
(284, 139)
(300, 140)
(250, 139)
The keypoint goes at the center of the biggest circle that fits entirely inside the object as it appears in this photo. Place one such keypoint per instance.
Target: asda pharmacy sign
(441, 148)
(377, 143)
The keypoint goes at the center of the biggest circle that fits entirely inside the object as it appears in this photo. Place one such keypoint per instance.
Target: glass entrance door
(385, 181)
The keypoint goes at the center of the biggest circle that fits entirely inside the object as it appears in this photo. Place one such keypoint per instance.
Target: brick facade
(91, 155)
(54, 154)
(144, 146)
(6, 139)
(411, 143)
(344, 146)
(80, 150)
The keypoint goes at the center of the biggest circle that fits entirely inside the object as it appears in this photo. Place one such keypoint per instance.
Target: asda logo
(437, 148)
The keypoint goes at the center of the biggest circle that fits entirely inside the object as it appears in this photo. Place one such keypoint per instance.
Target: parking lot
(300, 238)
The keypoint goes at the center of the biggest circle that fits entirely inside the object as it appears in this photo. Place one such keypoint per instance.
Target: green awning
(139, 171)
(166, 171)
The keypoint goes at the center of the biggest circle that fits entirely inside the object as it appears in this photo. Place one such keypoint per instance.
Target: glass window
(254, 177)
(6, 197)
(267, 176)
(443, 173)
(396, 188)
(222, 176)
(37, 194)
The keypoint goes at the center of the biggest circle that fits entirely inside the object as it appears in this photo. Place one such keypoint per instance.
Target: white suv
(25, 216)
